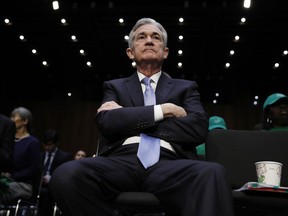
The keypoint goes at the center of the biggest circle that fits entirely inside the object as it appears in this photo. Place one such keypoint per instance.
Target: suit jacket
(183, 133)
(59, 158)
(7, 140)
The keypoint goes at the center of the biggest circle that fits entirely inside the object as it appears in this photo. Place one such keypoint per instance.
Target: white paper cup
(269, 172)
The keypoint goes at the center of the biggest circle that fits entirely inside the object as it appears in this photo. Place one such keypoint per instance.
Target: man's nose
(149, 39)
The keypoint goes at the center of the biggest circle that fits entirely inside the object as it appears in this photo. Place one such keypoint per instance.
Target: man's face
(49, 146)
(148, 46)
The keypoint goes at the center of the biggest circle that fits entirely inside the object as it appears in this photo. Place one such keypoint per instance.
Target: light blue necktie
(149, 147)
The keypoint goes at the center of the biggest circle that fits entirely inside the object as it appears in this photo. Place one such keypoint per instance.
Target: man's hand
(46, 179)
(109, 105)
(172, 110)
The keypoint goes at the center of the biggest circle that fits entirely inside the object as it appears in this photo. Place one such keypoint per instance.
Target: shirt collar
(52, 153)
(154, 78)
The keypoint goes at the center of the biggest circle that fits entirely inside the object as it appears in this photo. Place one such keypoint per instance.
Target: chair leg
(17, 207)
(8, 213)
(55, 209)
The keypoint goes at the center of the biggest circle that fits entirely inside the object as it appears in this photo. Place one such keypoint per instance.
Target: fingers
(109, 105)
(172, 110)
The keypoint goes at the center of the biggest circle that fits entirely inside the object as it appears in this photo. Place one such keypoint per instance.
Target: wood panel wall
(77, 129)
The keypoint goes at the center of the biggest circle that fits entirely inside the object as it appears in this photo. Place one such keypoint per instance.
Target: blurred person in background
(80, 154)
(25, 159)
(7, 141)
(275, 112)
(215, 122)
(51, 158)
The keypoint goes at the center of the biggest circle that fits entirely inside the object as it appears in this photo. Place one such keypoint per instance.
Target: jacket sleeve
(7, 141)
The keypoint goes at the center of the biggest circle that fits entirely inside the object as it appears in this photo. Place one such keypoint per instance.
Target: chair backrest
(238, 150)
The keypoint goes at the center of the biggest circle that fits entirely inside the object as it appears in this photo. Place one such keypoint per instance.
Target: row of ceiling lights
(243, 20)
(55, 6)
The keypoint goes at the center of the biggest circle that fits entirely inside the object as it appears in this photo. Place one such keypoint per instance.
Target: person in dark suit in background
(51, 158)
(177, 123)
(7, 142)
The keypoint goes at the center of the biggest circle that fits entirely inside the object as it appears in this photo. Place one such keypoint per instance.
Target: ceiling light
(89, 64)
(236, 38)
(7, 22)
(243, 20)
(181, 19)
(55, 5)
(63, 21)
(247, 3)
(45, 63)
(21, 37)
(276, 65)
(121, 20)
(34, 51)
(73, 37)
(82, 52)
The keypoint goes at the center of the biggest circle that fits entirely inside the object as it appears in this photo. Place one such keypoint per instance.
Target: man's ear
(129, 53)
(166, 50)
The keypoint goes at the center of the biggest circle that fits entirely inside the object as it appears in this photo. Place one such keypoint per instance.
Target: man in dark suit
(7, 140)
(177, 122)
(51, 158)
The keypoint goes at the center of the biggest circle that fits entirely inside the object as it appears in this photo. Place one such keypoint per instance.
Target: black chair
(238, 150)
(136, 202)
(27, 207)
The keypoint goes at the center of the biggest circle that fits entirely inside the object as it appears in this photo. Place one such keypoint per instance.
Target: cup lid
(268, 162)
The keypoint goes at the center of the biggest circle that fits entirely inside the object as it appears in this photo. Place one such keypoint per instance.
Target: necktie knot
(146, 81)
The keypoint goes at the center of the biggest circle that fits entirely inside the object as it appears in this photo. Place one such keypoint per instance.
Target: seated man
(172, 124)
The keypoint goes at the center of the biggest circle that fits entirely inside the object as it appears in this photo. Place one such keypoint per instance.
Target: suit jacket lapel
(134, 89)
(163, 88)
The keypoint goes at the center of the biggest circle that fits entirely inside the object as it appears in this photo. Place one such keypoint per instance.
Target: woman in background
(26, 158)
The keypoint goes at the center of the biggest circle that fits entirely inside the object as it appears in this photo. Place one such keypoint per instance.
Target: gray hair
(145, 21)
(24, 114)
